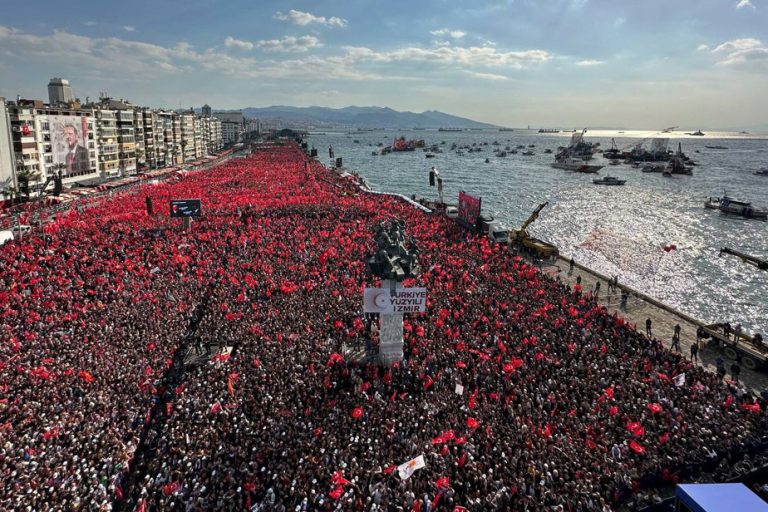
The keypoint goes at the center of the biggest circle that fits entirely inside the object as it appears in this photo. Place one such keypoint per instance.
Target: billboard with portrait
(69, 144)
(469, 209)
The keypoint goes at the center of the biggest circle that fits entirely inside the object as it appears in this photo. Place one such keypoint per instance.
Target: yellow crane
(521, 239)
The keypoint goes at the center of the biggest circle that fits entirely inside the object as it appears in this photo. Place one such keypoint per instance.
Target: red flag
(336, 493)
(442, 482)
(755, 407)
(428, 382)
(142, 505)
(655, 408)
(728, 401)
(460, 440)
(472, 401)
(613, 410)
(389, 469)
(637, 447)
(608, 392)
(357, 413)
(591, 444)
(171, 488)
(437, 500)
(216, 407)
(472, 423)
(664, 437)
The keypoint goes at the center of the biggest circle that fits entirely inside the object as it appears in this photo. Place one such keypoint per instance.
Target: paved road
(663, 322)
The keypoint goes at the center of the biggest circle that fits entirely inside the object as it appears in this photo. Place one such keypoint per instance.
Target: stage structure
(393, 263)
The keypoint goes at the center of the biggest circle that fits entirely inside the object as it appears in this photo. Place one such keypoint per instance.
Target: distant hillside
(363, 117)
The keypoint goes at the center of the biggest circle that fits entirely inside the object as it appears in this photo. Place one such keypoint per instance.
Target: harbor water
(618, 231)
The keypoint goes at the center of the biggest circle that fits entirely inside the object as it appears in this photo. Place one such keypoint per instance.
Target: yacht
(731, 206)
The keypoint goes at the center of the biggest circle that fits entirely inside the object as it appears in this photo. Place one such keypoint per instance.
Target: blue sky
(640, 64)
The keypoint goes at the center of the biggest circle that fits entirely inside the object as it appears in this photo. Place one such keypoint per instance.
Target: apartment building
(109, 148)
(7, 161)
(187, 122)
(200, 151)
(51, 140)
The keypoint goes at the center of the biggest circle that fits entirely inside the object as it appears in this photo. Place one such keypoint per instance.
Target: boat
(450, 129)
(506, 129)
(761, 172)
(697, 133)
(578, 148)
(667, 174)
(609, 180)
(549, 130)
(715, 147)
(403, 145)
(548, 151)
(733, 207)
(574, 164)
(615, 162)
(528, 153)
(429, 155)
(654, 167)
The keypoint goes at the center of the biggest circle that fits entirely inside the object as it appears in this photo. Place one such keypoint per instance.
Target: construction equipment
(521, 240)
(760, 263)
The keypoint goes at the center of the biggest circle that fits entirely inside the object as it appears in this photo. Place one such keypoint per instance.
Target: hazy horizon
(695, 64)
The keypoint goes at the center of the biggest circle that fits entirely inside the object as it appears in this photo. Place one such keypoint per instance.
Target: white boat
(575, 164)
(731, 206)
(609, 180)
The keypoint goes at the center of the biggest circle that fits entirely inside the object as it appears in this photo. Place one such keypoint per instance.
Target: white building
(59, 92)
(51, 140)
(7, 169)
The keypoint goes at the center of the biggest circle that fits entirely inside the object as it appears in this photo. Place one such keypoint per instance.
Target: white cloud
(290, 44)
(590, 62)
(742, 51)
(304, 18)
(474, 56)
(744, 3)
(487, 76)
(238, 43)
(702, 47)
(455, 34)
(129, 28)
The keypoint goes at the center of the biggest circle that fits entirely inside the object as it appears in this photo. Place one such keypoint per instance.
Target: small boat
(547, 150)
(615, 162)
(715, 147)
(487, 160)
(528, 153)
(429, 155)
(697, 133)
(667, 174)
(576, 165)
(609, 180)
(731, 206)
(761, 172)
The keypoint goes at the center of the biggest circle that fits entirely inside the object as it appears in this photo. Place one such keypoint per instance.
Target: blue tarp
(720, 498)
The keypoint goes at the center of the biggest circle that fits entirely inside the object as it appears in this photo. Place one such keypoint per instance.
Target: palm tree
(24, 177)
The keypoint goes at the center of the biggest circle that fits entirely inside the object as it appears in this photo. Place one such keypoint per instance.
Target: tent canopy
(719, 498)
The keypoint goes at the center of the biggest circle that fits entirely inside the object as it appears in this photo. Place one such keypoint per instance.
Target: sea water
(619, 231)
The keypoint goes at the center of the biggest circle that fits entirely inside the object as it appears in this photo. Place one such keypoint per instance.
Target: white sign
(405, 300)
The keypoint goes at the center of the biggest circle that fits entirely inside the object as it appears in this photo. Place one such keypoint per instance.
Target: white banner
(405, 300)
(406, 470)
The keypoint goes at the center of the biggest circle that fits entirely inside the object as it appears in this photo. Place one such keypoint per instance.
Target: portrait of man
(76, 157)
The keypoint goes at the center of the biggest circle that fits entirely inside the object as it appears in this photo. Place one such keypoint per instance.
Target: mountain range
(362, 117)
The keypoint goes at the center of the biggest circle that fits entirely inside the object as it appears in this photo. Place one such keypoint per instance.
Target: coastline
(640, 305)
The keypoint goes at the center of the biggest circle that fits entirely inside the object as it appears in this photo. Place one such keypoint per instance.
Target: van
(497, 233)
(5, 236)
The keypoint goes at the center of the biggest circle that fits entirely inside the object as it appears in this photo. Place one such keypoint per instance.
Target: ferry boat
(549, 130)
(575, 164)
(731, 206)
(609, 180)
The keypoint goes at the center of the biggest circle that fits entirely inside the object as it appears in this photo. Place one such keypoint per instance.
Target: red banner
(469, 209)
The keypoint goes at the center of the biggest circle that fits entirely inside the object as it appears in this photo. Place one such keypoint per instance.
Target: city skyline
(559, 63)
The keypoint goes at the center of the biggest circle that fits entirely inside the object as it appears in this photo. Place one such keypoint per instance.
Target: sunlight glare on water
(615, 230)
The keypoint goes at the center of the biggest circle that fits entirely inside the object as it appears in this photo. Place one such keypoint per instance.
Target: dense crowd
(519, 393)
